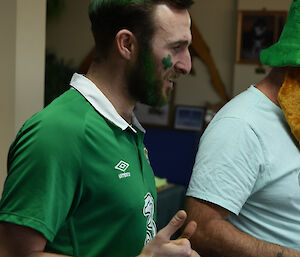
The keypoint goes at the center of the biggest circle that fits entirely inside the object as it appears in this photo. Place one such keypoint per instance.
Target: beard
(144, 84)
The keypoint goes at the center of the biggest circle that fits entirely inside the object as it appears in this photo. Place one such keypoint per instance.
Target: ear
(126, 44)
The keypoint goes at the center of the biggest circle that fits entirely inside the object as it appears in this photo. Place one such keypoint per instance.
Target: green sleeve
(43, 185)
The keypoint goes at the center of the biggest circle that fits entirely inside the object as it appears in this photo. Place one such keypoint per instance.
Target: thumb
(189, 230)
(175, 223)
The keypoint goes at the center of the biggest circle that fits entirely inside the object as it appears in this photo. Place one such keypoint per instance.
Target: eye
(176, 48)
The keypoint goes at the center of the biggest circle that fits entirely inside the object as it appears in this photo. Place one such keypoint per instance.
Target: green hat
(286, 52)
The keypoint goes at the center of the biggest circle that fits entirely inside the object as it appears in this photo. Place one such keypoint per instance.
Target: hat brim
(280, 55)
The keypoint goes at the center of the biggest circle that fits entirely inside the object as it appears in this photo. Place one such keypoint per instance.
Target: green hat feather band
(286, 52)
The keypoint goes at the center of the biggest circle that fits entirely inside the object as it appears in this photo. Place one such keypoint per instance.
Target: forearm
(218, 238)
(34, 254)
(43, 254)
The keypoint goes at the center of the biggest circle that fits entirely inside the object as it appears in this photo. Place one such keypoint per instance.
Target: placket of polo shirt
(140, 146)
(136, 138)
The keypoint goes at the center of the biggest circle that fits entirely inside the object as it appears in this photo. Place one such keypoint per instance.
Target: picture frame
(161, 117)
(257, 30)
(189, 118)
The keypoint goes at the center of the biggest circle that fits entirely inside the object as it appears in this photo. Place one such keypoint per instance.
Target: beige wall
(30, 59)
(216, 21)
(271, 5)
(69, 35)
(22, 67)
(8, 12)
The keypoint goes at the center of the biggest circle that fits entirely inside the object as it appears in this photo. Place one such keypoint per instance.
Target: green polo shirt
(79, 174)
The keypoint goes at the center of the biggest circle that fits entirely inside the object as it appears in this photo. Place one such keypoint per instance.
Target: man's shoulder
(241, 104)
(243, 116)
(63, 117)
(71, 105)
(250, 107)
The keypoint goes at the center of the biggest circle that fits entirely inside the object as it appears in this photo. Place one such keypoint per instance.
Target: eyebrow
(181, 43)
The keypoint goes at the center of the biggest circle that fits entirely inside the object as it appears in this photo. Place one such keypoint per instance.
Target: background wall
(69, 35)
(7, 68)
(216, 21)
(22, 51)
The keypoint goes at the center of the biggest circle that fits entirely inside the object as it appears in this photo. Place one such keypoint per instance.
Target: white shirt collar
(98, 100)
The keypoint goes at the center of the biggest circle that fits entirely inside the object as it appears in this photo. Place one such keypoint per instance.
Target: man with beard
(79, 179)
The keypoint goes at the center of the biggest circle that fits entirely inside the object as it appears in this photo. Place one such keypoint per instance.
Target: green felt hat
(286, 52)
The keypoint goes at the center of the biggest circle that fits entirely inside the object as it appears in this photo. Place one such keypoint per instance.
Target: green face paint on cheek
(167, 62)
(148, 65)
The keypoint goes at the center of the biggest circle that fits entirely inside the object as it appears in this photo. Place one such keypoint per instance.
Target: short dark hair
(110, 16)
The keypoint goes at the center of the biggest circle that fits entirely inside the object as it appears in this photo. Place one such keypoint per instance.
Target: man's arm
(16, 241)
(216, 237)
(20, 241)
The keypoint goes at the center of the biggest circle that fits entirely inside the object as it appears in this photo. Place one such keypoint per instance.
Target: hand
(162, 246)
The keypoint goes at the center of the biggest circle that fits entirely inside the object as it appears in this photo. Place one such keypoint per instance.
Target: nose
(184, 63)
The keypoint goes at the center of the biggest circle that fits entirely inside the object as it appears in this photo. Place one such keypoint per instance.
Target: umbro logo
(123, 166)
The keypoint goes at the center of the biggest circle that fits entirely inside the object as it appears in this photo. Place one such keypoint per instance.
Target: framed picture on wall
(189, 118)
(256, 31)
(156, 116)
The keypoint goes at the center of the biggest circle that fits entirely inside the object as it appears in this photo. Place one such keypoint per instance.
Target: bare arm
(216, 237)
(43, 254)
(16, 241)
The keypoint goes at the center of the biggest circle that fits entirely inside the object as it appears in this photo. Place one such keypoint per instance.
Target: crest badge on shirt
(146, 154)
(122, 166)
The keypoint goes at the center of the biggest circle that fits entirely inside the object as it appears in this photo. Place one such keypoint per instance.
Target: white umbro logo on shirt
(123, 166)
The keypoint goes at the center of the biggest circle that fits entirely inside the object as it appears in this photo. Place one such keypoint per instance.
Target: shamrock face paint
(167, 62)
(147, 80)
